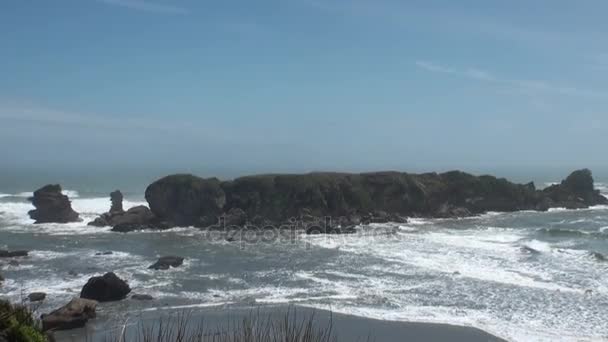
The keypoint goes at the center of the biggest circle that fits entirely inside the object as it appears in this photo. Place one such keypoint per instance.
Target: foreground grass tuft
(17, 324)
(254, 328)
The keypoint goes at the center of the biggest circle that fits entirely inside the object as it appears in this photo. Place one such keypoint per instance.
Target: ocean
(522, 276)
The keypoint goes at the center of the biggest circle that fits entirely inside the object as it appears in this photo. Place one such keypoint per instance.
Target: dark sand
(347, 328)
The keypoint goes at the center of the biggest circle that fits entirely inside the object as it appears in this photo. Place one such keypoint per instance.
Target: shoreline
(345, 327)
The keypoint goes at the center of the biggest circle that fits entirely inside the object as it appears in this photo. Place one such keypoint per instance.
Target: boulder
(36, 296)
(141, 297)
(183, 199)
(13, 254)
(73, 315)
(166, 262)
(598, 256)
(104, 253)
(52, 206)
(106, 288)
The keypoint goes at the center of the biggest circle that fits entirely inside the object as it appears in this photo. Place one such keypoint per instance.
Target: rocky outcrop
(52, 206)
(36, 296)
(166, 262)
(13, 254)
(184, 199)
(139, 215)
(353, 199)
(105, 289)
(73, 315)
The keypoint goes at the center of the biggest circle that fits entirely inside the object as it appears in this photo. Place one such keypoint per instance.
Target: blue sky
(296, 85)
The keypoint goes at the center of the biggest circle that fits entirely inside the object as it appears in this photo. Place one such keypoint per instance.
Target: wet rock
(73, 273)
(52, 206)
(164, 263)
(13, 254)
(73, 315)
(106, 288)
(1, 278)
(36, 296)
(104, 253)
(141, 297)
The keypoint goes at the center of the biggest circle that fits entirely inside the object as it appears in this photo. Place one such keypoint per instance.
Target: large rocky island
(350, 199)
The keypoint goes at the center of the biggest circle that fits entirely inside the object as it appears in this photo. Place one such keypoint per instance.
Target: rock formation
(352, 199)
(105, 289)
(135, 216)
(116, 199)
(73, 315)
(164, 263)
(52, 206)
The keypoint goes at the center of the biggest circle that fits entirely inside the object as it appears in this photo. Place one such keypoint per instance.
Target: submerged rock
(105, 289)
(73, 315)
(13, 254)
(141, 297)
(36, 296)
(52, 206)
(164, 263)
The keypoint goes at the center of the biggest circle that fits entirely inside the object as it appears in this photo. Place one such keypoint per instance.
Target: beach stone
(106, 288)
(52, 206)
(13, 254)
(73, 315)
(36, 296)
(141, 297)
(164, 263)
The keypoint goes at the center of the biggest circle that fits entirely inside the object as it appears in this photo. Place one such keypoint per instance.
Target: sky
(232, 87)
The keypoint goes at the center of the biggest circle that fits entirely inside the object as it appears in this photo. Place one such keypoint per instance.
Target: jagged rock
(141, 297)
(36, 296)
(164, 263)
(13, 254)
(52, 206)
(73, 315)
(575, 192)
(105, 289)
(116, 199)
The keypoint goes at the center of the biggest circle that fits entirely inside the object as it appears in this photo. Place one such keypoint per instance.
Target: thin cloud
(146, 6)
(533, 85)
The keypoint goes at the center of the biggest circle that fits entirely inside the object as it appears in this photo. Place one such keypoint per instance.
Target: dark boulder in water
(36, 296)
(52, 206)
(105, 289)
(141, 297)
(13, 254)
(166, 262)
(73, 315)
(348, 199)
